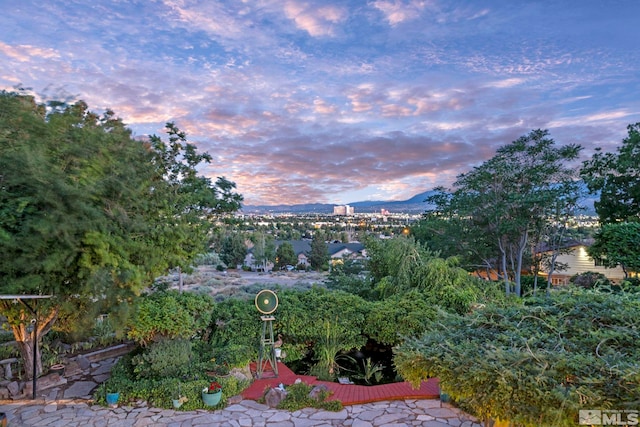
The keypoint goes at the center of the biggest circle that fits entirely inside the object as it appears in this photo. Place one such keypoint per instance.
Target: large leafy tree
(401, 265)
(616, 176)
(511, 196)
(285, 255)
(234, 249)
(90, 215)
(454, 236)
(618, 245)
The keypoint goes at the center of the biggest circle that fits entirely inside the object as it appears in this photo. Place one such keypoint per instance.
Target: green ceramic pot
(211, 399)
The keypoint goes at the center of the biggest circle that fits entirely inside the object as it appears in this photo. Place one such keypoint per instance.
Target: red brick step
(348, 394)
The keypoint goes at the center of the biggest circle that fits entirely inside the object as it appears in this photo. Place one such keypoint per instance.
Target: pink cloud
(318, 21)
(24, 53)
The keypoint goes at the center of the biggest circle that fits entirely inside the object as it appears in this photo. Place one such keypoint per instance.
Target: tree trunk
(507, 285)
(552, 268)
(25, 341)
(520, 254)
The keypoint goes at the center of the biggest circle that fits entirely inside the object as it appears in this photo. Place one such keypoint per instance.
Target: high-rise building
(343, 210)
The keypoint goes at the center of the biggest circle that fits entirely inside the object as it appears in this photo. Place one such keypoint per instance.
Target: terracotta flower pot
(57, 369)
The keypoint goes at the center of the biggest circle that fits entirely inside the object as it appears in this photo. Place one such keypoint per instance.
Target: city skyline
(337, 101)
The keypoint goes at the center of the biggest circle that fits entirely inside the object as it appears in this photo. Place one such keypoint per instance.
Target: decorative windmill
(266, 303)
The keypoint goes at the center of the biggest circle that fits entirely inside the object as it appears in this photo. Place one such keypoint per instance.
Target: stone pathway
(68, 402)
(248, 413)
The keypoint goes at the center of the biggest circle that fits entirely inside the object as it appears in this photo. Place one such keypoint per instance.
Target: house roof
(304, 246)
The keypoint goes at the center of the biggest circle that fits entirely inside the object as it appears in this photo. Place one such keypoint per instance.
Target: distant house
(578, 262)
(336, 250)
(354, 250)
(250, 261)
(302, 249)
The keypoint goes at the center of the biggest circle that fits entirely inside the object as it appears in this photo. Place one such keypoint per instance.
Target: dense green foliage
(590, 280)
(616, 177)
(298, 398)
(511, 198)
(89, 214)
(618, 245)
(165, 358)
(390, 321)
(402, 265)
(285, 255)
(170, 314)
(235, 327)
(234, 249)
(319, 256)
(311, 322)
(160, 391)
(350, 276)
(535, 363)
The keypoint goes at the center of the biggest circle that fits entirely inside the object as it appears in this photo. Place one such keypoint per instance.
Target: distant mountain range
(416, 204)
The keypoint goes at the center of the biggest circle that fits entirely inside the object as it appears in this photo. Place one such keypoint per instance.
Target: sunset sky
(337, 101)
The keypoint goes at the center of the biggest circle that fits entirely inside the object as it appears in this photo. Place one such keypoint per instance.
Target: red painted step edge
(348, 394)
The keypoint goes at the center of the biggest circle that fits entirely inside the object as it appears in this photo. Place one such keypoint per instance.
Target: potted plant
(211, 395)
(177, 403)
(112, 398)
(112, 390)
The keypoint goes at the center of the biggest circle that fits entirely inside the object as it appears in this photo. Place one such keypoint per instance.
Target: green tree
(456, 237)
(264, 249)
(551, 233)
(285, 255)
(234, 249)
(394, 264)
(319, 255)
(399, 266)
(510, 196)
(90, 215)
(618, 245)
(616, 176)
(190, 200)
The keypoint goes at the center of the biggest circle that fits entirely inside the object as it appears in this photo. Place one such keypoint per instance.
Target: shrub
(589, 280)
(170, 314)
(298, 398)
(210, 258)
(235, 332)
(167, 358)
(390, 320)
(303, 317)
(535, 363)
(160, 392)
